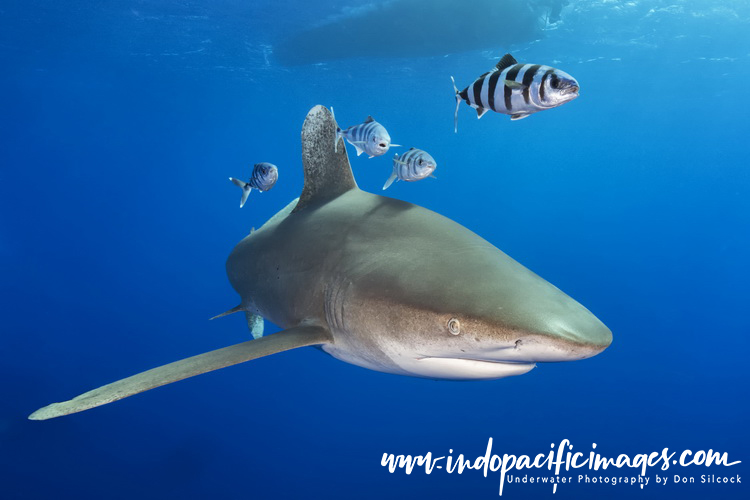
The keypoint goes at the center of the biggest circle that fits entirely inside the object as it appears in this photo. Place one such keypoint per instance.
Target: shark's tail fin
(245, 189)
(458, 104)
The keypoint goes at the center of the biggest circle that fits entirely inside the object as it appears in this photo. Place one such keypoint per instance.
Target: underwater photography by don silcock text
(374, 249)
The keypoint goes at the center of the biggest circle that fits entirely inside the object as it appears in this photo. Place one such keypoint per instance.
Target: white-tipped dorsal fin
(327, 172)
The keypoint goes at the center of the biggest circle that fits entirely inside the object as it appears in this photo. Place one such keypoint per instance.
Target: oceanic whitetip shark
(382, 284)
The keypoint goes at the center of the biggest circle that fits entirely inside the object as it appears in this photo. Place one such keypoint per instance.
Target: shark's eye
(454, 327)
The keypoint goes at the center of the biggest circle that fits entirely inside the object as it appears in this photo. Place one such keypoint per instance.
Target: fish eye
(454, 326)
(555, 81)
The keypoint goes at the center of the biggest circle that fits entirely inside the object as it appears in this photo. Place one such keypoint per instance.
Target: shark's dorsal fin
(327, 172)
(506, 61)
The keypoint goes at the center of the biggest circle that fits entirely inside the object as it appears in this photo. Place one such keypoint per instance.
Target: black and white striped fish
(413, 165)
(517, 89)
(369, 137)
(263, 178)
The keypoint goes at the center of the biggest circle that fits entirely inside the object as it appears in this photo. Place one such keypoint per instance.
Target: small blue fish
(369, 137)
(413, 165)
(264, 177)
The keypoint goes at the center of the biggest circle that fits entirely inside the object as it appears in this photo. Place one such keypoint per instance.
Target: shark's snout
(565, 339)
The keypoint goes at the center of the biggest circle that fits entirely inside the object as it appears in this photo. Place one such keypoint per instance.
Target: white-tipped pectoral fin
(518, 116)
(299, 336)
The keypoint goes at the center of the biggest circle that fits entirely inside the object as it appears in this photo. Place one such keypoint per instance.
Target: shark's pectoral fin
(255, 324)
(292, 338)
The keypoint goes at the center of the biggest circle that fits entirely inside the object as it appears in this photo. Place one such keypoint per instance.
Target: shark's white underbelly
(401, 362)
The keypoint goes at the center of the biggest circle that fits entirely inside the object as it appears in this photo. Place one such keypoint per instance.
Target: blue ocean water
(121, 121)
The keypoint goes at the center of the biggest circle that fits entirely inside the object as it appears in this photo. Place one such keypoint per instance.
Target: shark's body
(382, 284)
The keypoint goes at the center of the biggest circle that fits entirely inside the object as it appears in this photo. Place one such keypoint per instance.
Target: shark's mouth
(469, 369)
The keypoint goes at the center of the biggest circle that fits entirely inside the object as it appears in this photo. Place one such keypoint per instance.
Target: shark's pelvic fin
(231, 311)
(255, 324)
(292, 338)
(327, 172)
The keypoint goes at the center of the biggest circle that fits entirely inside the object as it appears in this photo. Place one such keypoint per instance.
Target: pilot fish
(517, 89)
(263, 178)
(368, 137)
(412, 166)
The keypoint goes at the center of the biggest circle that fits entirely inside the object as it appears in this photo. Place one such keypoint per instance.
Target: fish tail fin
(458, 104)
(245, 189)
(339, 133)
(390, 180)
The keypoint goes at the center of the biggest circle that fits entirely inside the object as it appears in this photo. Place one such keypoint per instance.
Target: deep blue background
(119, 124)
